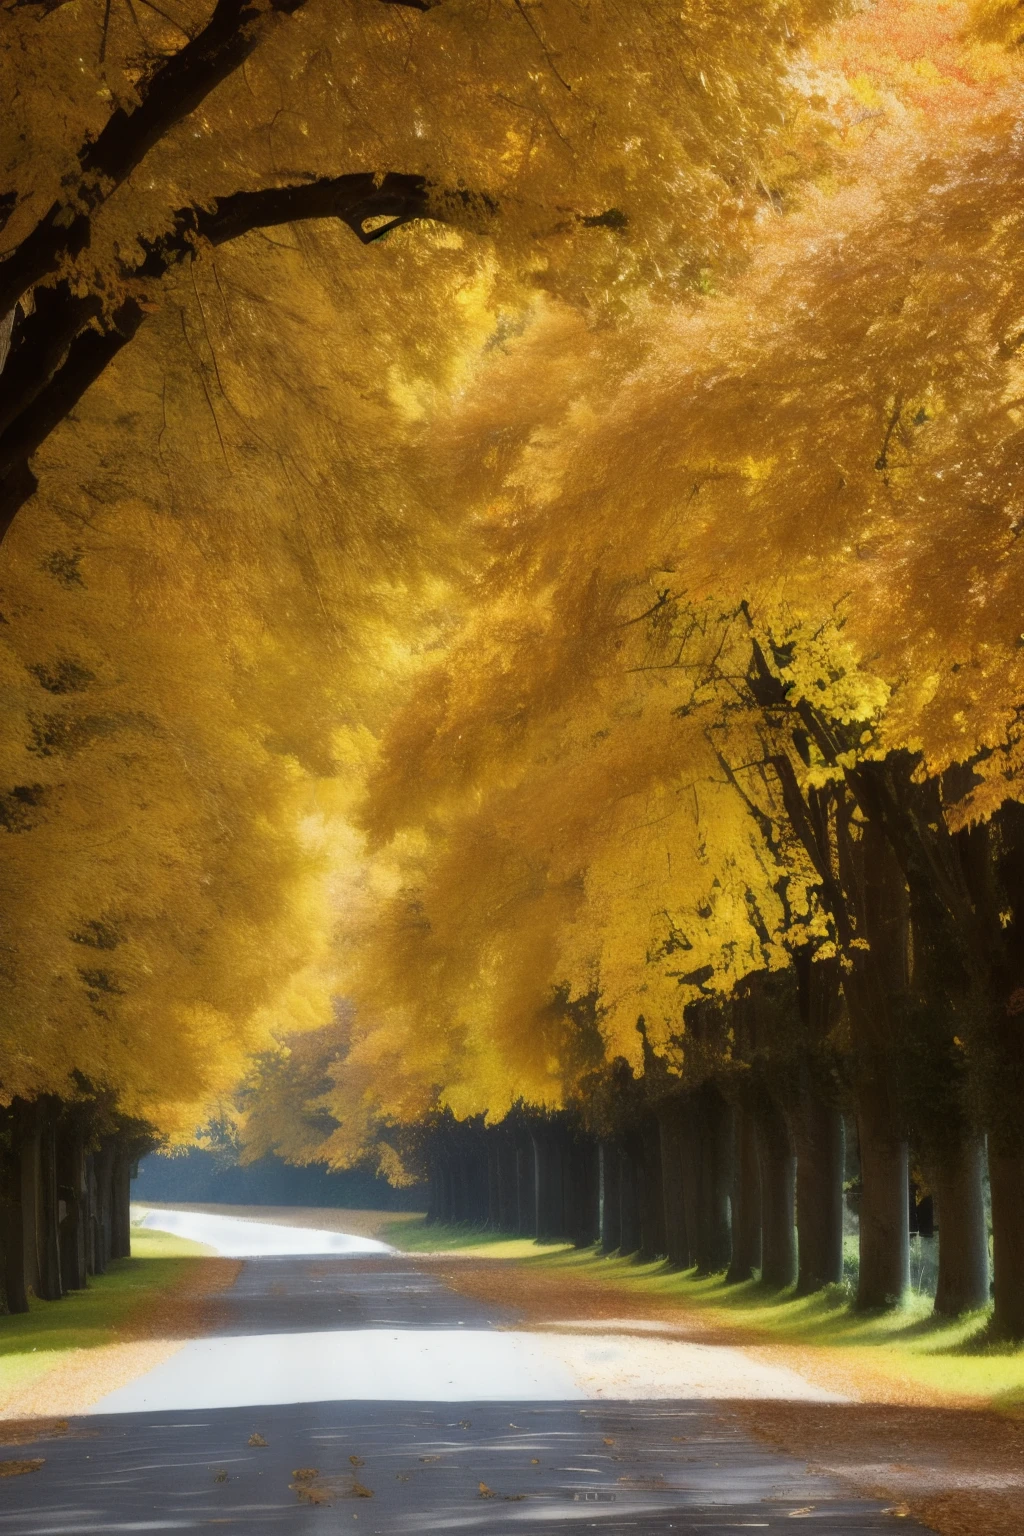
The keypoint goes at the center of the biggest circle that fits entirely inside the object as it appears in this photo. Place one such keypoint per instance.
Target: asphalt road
(395, 1452)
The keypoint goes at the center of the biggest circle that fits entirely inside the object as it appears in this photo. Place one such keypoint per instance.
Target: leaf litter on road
(311, 1487)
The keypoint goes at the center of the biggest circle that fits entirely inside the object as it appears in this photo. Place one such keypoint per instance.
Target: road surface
(350, 1389)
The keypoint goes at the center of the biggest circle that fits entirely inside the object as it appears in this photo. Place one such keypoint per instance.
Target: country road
(344, 1386)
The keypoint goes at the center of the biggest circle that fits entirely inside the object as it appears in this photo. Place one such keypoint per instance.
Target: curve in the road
(232, 1237)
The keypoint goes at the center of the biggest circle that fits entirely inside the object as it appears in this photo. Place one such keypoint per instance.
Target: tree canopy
(570, 629)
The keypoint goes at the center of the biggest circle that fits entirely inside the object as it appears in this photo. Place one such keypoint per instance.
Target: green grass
(32, 1342)
(415, 1235)
(907, 1343)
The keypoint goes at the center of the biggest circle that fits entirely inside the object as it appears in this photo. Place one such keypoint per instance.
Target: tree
(760, 546)
(186, 128)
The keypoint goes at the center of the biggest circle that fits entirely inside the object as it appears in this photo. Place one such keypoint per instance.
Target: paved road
(393, 1452)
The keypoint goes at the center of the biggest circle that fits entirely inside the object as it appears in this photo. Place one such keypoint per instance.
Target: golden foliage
(384, 629)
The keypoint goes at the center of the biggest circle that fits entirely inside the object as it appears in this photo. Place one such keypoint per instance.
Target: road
(352, 1389)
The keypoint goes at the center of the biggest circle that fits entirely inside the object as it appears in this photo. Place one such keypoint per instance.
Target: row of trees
(717, 775)
(66, 1174)
(581, 629)
(221, 357)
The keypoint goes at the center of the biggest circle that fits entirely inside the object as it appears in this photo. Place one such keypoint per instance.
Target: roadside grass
(32, 1342)
(414, 1235)
(907, 1344)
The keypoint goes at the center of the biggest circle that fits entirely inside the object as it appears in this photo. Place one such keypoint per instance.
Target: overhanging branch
(371, 205)
(173, 90)
(68, 343)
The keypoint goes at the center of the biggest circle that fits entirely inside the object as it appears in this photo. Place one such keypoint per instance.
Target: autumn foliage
(555, 666)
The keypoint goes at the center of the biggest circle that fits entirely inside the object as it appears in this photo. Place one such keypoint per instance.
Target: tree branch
(87, 357)
(65, 346)
(389, 201)
(174, 89)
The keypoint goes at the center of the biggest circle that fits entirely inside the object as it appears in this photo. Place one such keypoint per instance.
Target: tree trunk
(508, 1194)
(444, 1204)
(12, 1239)
(820, 1137)
(778, 1198)
(1006, 1176)
(92, 1227)
(28, 1177)
(652, 1197)
(71, 1188)
(122, 1222)
(12, 1229)
(459, 1198)
(479, 1178)
(493, 1182)
(884, 1216)
(677, 1246)
(584, 1197)
(103, 1163)
(690, 1160)
(526, 1186)
(548, 1153)
(611, 1198)
(710, 1144)
(629, 1203)
(746, 1200)
(963, 1284)
(50, 1285)
(431, 1212)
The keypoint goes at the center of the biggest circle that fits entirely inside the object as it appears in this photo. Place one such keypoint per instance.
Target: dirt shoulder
(954, 1465)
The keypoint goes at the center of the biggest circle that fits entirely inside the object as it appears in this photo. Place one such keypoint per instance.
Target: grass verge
(416, 1235)
(32, 1343)
(909, 1345)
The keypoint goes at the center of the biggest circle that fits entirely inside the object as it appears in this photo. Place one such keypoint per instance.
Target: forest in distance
(511, 622)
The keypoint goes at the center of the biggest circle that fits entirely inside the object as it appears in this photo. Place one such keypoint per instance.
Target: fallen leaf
(16, 1468)
(221, 1476)
(256, 1438)
(357, 1461)
(798, 1514)
(534, 1461)
(485, 1492)
(361, 1492)
(430, 1458)
(901, 1511)
(304, 1474)
(607, 1442)
(311, 1493)
(513, 1498)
